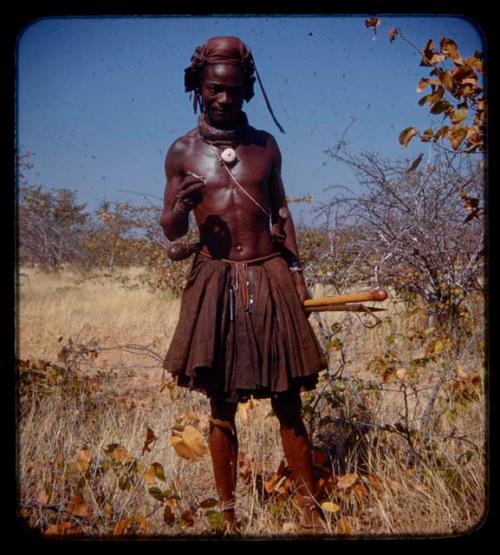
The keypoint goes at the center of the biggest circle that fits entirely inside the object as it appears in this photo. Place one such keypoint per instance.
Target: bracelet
(180, 208)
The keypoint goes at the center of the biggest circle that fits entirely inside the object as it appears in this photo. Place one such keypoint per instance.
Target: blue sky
(101, 99)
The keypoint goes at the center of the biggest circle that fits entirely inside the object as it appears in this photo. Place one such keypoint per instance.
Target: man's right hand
(189, 194)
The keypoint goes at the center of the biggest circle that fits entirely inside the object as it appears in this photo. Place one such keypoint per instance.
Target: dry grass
(113, 398)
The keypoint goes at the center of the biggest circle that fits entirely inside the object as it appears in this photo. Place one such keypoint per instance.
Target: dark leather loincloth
(242, 331)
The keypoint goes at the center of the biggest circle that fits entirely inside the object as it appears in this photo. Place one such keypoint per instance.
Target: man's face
(223, 93)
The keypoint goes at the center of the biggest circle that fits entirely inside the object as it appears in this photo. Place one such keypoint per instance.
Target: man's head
(221, 73)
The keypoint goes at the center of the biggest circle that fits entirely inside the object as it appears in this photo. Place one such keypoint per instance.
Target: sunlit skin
(231, 226)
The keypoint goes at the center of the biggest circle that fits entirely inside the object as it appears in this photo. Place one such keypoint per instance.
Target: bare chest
(252, 170)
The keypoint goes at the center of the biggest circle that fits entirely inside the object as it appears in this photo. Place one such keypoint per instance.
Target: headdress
(224, 50)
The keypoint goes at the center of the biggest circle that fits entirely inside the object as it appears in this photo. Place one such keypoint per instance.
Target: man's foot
(231, 525)
(312, 520)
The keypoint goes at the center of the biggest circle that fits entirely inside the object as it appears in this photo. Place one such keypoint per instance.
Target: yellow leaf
(401, 373)
(142, 523)
(343, 526)
(372, 22)
(158, 470)
(150, 476)
(422, 84)
(122, 526)
(330, 507)
(172, 503)
(447, 80)
(407, 135)
(181, 448)
(120, 454)
(375, 482)
(63, 528)
(270, 484)
(459, 115)
(84, 459)
(476, 63)
(460, 371)
(449, 48)
(72, 470)
(347, 480)
(427, 135)
(438, 346)
(194, 440)
(388, 376)
(456, 135)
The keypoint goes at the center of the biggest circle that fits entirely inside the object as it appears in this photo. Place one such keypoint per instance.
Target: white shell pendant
(228, 155)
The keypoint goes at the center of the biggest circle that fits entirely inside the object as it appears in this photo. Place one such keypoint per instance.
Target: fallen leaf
(375, 482)
(181, 448)
(194, 440)
(157, 494)
(168, 516)
(344, 526)
(208, 503)
(118, 453)
(401, 373)
(270, 484)
(84, 459)
(154, 471)
(347, 480)
(122, 527)
(187, 518)
(330, 507)
(63, 528)
(150, 438)
(142, 523)
(78, 507)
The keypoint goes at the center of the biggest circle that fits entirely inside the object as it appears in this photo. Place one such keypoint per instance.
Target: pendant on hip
(228, 155)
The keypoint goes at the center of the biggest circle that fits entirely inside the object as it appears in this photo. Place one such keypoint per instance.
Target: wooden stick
(375, 295)
(354, 307)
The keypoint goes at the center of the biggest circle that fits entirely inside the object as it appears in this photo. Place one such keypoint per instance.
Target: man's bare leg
(287, 407)
(223, 444)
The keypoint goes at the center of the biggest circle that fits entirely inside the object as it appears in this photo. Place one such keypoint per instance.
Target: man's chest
(252, 168)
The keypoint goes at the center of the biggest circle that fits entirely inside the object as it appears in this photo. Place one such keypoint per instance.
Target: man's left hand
(301, 288)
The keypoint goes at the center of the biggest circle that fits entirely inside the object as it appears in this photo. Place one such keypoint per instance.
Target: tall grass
(69, 477)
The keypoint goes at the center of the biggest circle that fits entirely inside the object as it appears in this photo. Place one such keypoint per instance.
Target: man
(242, 327)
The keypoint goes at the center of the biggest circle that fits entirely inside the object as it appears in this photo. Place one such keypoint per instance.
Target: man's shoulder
(262, 137)
(184, 144)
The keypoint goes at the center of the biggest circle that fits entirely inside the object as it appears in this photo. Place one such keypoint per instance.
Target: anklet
(227, 505)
